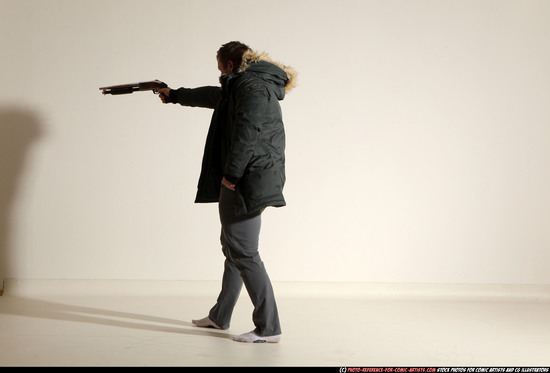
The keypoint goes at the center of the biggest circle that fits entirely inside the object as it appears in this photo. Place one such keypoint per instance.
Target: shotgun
(123, 89)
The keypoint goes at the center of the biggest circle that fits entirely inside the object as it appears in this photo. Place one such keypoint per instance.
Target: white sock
(205, 323)
(255, 338)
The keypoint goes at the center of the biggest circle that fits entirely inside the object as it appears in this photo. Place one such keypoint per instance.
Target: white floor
(106, 323)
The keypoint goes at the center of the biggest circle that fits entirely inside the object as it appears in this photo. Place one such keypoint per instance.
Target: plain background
(418, 139)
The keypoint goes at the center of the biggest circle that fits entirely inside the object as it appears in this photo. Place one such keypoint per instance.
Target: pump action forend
(122, 89)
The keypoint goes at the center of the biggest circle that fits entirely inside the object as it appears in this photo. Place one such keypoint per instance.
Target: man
(243, 169)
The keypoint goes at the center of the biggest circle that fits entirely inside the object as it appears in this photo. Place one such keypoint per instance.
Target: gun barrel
(119, 91)
(129, 88)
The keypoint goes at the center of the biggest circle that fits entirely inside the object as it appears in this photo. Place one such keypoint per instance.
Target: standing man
(243, 169)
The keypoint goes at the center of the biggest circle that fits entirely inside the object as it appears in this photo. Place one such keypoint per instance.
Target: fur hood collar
(250, 57)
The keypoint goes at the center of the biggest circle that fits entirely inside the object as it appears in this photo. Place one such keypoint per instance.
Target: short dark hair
(232, 51)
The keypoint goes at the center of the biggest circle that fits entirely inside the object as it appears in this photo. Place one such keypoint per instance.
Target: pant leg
(231, 288)
(240, 235)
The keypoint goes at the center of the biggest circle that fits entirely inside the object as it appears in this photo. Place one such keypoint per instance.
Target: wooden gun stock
(122, 89)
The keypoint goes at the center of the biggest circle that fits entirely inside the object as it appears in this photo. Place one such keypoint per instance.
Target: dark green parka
(246, 137)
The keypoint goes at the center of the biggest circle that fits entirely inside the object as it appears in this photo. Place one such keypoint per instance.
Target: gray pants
(239, 239)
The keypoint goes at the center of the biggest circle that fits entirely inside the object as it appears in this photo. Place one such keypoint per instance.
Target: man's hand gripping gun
(123, 89)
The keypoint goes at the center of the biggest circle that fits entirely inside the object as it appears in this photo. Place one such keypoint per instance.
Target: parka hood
(250, 58)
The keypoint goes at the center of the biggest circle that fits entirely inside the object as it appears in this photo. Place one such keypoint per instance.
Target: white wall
(418, 139)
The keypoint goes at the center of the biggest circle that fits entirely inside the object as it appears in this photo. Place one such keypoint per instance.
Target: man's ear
(230, 65)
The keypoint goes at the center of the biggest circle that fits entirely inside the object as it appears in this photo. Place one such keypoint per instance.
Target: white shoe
(255, 338)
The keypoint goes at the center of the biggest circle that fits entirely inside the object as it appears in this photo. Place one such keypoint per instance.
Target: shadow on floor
(37, 308)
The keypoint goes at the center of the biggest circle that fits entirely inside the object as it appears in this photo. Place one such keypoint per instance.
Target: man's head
(230, 56)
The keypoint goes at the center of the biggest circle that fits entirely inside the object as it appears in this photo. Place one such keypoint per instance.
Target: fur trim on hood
(252, 56)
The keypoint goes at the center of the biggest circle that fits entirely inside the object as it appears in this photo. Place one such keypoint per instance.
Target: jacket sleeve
(251, 103)
(206, 97)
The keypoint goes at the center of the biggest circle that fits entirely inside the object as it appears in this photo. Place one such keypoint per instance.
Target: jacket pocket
(261, 184)
(258, 189)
